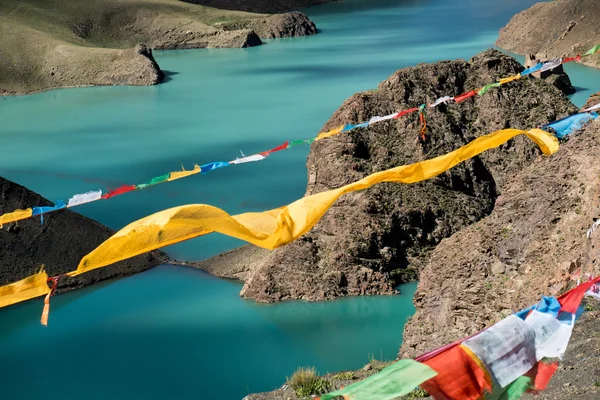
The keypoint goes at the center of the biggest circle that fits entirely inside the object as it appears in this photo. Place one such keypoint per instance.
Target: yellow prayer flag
(182, 174)
(25, 289)
(15, 216)
(330, 133)
(278, 227)
(509, 79)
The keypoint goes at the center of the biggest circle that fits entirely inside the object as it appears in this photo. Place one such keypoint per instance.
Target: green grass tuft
(306, 382)
(345, 376)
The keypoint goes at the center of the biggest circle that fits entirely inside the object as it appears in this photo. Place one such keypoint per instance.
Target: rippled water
(179, 333)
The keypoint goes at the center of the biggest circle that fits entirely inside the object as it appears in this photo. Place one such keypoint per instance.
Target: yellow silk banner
(15, 216)
(275, 228)
(25, 289)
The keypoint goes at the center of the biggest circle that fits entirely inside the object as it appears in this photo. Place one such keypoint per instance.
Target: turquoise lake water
(178, 333)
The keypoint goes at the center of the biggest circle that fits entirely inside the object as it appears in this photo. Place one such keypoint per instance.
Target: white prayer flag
(84, 198)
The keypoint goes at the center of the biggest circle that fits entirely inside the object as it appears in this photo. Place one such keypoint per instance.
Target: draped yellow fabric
(509, 79)
(274, 228)
(15, 216)
(25, 289)
(330, 133)
(182, 174)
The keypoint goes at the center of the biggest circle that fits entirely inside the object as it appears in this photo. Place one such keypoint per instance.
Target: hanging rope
(46, 309)
(423, 120)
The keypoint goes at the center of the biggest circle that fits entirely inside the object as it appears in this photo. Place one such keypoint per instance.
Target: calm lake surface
(174, 332)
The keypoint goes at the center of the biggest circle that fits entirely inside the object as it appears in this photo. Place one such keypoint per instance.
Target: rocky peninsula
(521, 232)
(47, 45)
(58, 243)
(557, 28)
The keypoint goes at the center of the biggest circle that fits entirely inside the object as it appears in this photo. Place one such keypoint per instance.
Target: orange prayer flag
(460, 376)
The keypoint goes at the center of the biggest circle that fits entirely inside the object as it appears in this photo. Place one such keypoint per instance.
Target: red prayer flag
(278, 148)
(569, 59)
(459, 376)
(465, 96)
(119, 190)
(402, 113)
(571, 300)
(541, 374)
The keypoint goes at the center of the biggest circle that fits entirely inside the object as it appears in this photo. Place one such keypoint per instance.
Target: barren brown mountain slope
(528, 246)
(555, 29)
(260, 6)
(56, 43)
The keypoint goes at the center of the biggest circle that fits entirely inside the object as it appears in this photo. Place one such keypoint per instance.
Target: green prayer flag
(155, 180)
(593, 50)
(514, 391)
(485, 89)
(299, 142)
(396, 380)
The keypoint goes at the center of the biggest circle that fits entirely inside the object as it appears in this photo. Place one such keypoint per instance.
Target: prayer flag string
(503, 361)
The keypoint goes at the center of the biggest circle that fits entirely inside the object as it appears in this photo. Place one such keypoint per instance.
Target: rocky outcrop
(275, 26)
(58, 243)
(372, 240)
(239, 38)
(145, 51)
(556, 76)
(260, 6)
(529, 245)
(235, 264)
(554, 29)
(592, 101)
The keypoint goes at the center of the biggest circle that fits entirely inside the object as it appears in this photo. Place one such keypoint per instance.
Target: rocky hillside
(59, 243)
(66, 43)
(593, 100)
(529, 246)
(259, 6)
(554, 29)
(372, 240)
(534, 238)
